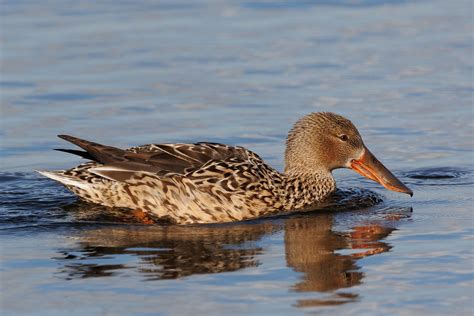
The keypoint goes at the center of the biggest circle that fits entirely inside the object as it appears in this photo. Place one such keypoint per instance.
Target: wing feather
(159, 159)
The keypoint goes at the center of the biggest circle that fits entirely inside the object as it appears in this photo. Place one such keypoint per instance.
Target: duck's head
(323, 141)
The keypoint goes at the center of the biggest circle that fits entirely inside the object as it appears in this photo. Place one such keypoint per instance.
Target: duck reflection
(324, 247)
(166, 252)
(315, 249)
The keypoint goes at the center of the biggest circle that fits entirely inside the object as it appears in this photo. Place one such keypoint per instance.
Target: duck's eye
(343, 137)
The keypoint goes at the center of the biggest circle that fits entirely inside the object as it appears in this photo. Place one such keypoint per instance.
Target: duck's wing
(159, 159)
(184, 158)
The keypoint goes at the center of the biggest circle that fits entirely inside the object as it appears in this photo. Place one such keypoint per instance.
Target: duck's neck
(302, 190)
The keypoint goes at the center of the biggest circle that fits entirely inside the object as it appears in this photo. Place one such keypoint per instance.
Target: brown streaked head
(324, 141)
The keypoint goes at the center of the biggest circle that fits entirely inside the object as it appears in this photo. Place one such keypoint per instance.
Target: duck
(204, 182)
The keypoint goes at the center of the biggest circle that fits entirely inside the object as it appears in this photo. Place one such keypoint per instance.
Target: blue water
(126, 73)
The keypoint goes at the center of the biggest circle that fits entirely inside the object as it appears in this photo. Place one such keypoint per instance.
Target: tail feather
(98, 152)
(64, 179)
(83, 154)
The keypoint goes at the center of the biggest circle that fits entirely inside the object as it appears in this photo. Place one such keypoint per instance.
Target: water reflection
(312, 247)
(324, 247)
(166, 252)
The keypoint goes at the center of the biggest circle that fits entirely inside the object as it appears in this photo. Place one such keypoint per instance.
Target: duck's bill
(372, 168)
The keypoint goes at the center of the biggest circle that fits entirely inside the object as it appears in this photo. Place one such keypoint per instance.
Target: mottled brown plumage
(209, 182)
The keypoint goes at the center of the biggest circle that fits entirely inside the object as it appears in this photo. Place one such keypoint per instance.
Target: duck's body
(192, 183)
(206, 182)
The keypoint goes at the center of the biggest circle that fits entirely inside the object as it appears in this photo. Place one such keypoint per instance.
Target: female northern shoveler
(211, 183)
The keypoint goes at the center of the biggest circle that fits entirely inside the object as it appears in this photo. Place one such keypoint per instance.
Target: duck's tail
(61, 177)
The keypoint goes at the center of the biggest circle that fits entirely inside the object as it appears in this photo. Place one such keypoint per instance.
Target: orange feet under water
(143, 217)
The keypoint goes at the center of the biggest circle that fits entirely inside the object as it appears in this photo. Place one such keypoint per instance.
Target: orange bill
(370, 167)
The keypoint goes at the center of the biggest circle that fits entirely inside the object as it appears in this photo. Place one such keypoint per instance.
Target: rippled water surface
(129, 72)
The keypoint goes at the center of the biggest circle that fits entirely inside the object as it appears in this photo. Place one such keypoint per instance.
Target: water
(126, 73)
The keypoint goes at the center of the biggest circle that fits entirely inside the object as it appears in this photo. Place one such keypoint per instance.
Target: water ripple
(440, 176)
